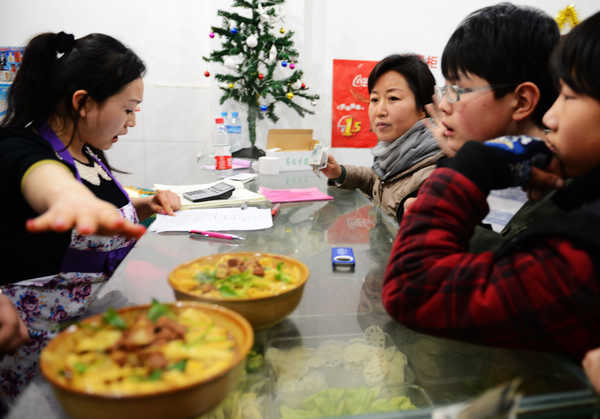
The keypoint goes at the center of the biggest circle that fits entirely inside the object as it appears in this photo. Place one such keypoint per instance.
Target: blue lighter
(342, 257)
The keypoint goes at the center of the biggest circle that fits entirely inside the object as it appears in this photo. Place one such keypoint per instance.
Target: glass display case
(338, 353)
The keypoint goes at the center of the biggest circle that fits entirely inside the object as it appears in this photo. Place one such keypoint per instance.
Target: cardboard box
(295, 147)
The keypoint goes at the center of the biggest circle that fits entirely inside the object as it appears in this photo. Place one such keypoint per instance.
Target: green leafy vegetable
(80, 367)
(155, 375)
(280, 275)
(254, 361)
(179, 365)
(111, 317)
(340, 401)
(157, 310)
(226, 291)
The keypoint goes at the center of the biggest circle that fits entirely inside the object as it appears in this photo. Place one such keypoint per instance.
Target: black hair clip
(64, 43)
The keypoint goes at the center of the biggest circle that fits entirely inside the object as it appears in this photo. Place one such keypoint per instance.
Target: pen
(215, 235)
(275, 210)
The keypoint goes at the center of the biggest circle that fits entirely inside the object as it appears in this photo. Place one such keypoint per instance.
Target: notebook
(239, 196)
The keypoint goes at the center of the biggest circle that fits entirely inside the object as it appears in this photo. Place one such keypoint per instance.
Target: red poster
(350, 108)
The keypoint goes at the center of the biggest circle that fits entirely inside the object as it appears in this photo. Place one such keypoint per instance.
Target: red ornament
(303, 86)
(261, 76)
(206, 74)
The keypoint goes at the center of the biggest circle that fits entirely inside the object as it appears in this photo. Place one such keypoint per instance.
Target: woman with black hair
(70, 101)
(399, 88)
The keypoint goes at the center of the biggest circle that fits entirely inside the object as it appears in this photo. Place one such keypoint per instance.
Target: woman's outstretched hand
(87, 214)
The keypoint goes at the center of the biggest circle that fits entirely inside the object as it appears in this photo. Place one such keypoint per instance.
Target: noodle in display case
(263, 287)
(148, 361)
(341, 375)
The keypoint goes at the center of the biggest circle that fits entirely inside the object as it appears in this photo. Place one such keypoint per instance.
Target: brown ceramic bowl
(261, 312)
(182, 402)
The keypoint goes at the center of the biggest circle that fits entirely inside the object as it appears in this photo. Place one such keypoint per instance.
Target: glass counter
(338, 310)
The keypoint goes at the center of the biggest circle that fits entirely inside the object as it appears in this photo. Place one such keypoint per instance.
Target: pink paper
(294, 195)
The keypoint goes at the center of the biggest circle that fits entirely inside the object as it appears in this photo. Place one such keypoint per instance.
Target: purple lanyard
(63, 153)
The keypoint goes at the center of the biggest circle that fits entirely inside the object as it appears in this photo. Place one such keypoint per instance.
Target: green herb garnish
(80, 367)
(157, 310)
(111, 317)
(280, 276)
(226, 291)
(155, 375)
(179, 365)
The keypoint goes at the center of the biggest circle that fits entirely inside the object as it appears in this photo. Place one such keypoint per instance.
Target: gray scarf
(414, 145)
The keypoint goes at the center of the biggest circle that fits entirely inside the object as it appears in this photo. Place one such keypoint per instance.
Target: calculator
(342, 257)
(220, 190)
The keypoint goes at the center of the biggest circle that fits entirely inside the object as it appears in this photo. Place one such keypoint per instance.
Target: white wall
(180, 103)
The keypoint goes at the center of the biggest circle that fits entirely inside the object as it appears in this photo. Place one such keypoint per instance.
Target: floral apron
(48, 304)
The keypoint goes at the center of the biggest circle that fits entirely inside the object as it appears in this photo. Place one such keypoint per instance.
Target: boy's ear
(527, 96)
(80, 102)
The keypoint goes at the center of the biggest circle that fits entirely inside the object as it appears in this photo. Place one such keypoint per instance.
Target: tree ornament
(261, 76)
(290, 95)
(281, 31)
(273, 53)
(206, 74)
(284, 63)
(230, 62)
(231, 85)
(234, 31)
(303, 86)
(292, 66)
(252, 41)
(263, 107)
(211, 35)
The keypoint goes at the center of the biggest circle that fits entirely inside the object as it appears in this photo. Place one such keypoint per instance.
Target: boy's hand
(434, 125)
(591, 364)
(544, 180)
(502, 162)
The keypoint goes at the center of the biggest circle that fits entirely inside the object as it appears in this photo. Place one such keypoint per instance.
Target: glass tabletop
(339, 320)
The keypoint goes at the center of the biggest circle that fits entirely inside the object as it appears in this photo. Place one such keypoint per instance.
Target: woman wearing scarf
(399, 88)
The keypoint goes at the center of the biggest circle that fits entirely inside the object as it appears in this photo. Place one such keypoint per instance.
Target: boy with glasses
(540, 289)
(498, 83)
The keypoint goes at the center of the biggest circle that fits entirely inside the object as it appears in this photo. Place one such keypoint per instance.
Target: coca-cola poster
(350, 124)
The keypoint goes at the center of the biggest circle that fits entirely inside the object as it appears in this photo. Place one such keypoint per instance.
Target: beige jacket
(391, 193)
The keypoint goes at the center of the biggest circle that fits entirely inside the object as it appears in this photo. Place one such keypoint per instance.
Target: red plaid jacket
(545, 298)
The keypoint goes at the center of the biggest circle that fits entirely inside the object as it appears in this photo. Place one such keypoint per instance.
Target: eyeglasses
(453, 91)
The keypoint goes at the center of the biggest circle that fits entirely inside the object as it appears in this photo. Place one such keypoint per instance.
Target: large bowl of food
(262, 287)
(152, 361)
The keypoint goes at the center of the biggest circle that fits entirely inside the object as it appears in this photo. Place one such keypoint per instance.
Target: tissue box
(295, 148)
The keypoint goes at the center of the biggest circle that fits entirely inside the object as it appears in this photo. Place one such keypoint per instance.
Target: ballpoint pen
(215, 235)
(275, 210)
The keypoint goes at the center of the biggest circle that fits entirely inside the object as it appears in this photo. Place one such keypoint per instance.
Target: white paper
(242, 177)
(214, 219)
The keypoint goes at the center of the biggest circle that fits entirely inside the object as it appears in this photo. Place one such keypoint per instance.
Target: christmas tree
(261, 63)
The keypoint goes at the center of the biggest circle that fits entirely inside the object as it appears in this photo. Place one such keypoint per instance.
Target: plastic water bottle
(222, 150)
(235, 132)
